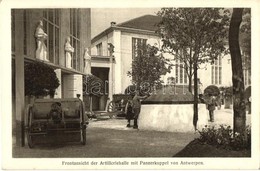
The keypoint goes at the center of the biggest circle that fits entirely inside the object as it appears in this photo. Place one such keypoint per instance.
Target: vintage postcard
(130, 84)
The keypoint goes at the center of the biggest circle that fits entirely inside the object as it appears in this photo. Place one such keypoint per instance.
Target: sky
(101, 17)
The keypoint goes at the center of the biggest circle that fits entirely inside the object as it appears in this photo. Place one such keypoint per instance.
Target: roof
(144, 24)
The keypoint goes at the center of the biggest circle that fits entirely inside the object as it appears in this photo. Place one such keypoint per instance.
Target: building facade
(59, 25)
(127, 37)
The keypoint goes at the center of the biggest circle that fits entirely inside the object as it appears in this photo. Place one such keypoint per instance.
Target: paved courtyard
(111, 138)
(225, 117)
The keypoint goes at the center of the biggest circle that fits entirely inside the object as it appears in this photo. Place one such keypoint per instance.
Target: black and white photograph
(141, 85)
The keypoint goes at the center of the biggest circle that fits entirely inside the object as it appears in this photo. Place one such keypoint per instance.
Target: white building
(130, 35)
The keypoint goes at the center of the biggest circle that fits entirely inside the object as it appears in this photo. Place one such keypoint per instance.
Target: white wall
(104, 40)
(171, 118)
(118, 62)
(72, 86)
(226, 71)
(205, 73)
(126, 54)
(123, 60)
(58, 91)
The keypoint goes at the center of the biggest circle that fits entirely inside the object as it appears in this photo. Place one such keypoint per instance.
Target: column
(58, 90)
(19, 77)
(72, 86)
(110, 80)
(118, 67)
(34, 15)
(65, 32)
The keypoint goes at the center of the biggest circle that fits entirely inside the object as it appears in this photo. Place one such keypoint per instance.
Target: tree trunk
(237, 72)
(195, 107)
(190, 78)
(190, 85)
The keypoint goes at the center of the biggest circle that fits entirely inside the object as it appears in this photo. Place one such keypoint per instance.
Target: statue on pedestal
(68, 50)
(41, 36)
(87, 62)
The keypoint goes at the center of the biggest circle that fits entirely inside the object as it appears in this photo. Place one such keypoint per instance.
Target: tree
(40, 79)
(237, 72)
(193, 36)
(245, 36)
(148, 67)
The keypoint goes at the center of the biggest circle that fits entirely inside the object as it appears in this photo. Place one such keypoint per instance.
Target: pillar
(64, 33)
(72, 86)
(58, 90)
(19, 77)
(118, 66)
(33, 18)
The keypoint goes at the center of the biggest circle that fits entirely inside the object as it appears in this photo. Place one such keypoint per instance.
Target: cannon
(55, 121)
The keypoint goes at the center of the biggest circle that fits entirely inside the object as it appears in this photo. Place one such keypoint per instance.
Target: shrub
(40, 79)
(212, 90)
(223, 137)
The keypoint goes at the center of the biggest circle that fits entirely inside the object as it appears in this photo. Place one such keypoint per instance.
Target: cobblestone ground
(225, 117)
(111, 138)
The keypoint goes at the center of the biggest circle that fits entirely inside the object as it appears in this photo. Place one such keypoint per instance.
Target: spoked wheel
(83, 137)
(111, 107)
(28, 116)
(30, 140)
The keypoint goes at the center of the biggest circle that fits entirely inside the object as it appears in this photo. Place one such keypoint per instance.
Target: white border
(55, 163)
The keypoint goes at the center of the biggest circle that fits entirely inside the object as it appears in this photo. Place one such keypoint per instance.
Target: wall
(226, 71)
(126, 54)
(123, 60)
(205, 73)
(104, 40)
(72, 86)
(171, 118)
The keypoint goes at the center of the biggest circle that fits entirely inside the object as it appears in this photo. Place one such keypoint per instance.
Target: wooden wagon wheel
(111, 106)
(83, 125)
(83, 136)
(28, 119)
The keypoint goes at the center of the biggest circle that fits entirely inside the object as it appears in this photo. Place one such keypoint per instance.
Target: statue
(41, 36)
(68, 50)
(87, 62)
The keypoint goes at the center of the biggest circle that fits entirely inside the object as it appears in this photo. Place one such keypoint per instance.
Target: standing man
(211, 107)
(137, 107)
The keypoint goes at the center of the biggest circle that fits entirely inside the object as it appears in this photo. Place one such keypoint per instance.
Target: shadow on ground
(197, 149)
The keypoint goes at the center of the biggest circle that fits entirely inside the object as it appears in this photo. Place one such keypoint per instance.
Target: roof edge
(110, 29)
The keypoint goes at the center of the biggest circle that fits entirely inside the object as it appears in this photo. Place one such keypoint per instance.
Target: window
(75, 37)
(180, 73)
(216, 75)
(176, 74)
(185, 77)
(216, 72)
(212, 73)
(51, 24)
(220, 75)
(25, 32)
(138, 46)
(13, 30)
(99, 49)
